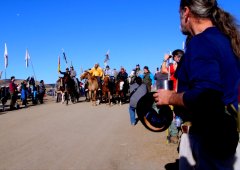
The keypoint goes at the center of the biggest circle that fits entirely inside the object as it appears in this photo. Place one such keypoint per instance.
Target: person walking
(24, 93)
(13, 93)
(41, 92)
(206, 97)
(137, 90)
(146, 78)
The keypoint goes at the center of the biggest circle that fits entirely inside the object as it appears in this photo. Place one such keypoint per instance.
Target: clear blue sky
(135, 31)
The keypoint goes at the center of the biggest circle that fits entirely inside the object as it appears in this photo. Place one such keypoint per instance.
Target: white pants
(193, 157)
(237, 163)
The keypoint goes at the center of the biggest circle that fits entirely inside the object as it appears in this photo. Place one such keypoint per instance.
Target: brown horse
(92, 86)
(60, 90)
(106, 92)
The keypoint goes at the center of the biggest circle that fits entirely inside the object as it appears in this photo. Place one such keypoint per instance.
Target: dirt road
(54, 136)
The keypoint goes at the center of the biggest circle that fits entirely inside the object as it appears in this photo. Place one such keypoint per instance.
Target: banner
(27, 58)
(106, 58)
(5, 56)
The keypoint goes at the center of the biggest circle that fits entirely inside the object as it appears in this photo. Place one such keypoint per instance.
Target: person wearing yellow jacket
(98, 73)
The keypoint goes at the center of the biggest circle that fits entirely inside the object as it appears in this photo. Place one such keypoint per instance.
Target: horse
(70, 90)
(60, 90)
(122, 88)
(92, 86)
(65, 88)
(4, 95)
(106, 89)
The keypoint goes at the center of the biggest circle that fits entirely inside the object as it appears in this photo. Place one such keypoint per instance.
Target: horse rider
(122, 75)
(66, 74)
(73, 75)
(97, 72)
(109, 72)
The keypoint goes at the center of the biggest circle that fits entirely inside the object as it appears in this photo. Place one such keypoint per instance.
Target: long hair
(223, 20)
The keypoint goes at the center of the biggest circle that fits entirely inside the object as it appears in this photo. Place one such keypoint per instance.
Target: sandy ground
(53, 136)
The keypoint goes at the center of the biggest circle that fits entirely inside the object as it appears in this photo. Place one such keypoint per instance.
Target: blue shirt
(209, 63)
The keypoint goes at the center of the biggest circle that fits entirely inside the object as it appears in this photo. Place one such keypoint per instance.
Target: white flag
(6, 56)
(106, 58)
(27, 57)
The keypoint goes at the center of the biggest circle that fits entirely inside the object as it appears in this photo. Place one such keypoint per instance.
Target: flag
(6, 56)
(27, 58)
(107, 57)
(64, 57)
(58, 63)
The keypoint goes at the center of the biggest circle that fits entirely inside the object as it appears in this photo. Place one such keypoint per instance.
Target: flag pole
(5, 74)
(33, 70)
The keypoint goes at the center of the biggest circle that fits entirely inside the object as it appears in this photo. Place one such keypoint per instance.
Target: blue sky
(135, 32)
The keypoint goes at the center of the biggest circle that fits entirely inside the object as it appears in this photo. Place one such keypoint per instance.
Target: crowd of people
(27, 91)
(204, 92)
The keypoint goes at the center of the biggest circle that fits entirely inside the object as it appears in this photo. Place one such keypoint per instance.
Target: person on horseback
(98, 73)
(108, 71)
(122, 75)
(66, 75)
(73, 75)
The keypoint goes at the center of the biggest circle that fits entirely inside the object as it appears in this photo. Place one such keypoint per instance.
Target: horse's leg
(109, 98)
(63, 96)
(94, 97)
(66, 97)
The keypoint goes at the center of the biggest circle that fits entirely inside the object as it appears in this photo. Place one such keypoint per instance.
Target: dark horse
(122, 89)
(68, 88)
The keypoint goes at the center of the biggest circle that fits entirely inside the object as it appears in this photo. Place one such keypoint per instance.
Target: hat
(107, 66)
(67, 68)
(145, 67)
(138, 65)
(154, 118)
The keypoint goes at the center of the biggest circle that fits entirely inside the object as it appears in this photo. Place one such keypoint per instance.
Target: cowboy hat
(154, 118)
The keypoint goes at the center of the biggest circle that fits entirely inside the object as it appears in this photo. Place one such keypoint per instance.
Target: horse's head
(106, 79)
(85, 75)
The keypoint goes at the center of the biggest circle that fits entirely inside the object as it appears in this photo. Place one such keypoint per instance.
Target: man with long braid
(208, 78)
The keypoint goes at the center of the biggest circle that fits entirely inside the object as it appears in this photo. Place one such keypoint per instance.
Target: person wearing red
(171, 68)
(13, 93)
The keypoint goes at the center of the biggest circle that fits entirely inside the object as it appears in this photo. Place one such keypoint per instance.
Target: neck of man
(198, 25)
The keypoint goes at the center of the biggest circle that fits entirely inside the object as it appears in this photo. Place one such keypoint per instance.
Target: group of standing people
(37, 92)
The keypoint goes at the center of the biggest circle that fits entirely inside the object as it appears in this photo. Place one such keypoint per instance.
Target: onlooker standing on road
(42, 90)
(207, 88)
(137, 90)
(146, 78)
(13, 93)
(160, 77)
